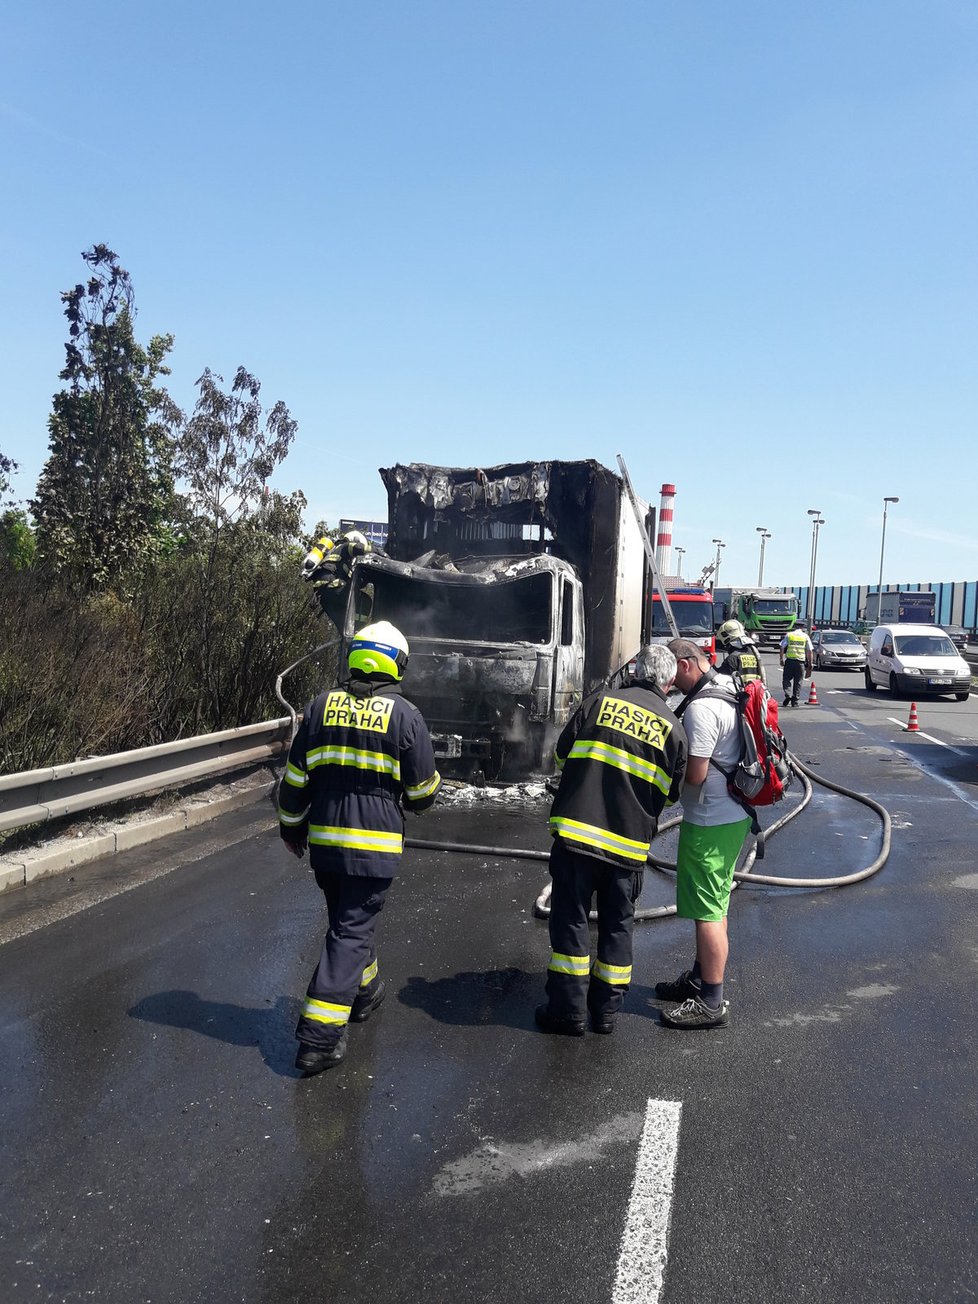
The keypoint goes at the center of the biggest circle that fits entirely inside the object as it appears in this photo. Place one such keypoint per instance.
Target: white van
(916, 659)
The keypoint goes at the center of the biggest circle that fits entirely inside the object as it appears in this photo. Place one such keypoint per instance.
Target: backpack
(763, 773)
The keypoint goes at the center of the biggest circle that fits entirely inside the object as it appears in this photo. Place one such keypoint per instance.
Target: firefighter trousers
(575, 984)
(348, 963)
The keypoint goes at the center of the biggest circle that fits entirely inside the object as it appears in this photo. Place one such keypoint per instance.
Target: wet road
(158, 1144)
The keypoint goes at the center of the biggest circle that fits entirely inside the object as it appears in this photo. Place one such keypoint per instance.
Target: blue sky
(734, 242)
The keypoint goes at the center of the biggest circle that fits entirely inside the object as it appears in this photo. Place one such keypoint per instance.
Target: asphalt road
(158, 1145)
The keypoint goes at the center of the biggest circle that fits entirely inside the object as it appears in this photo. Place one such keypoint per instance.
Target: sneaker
(683, 987)
(314, 1059)
(566, 1025)
(694, 1014)
(364, 1005)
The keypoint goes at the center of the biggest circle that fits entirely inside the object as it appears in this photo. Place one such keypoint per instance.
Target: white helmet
(731, 631)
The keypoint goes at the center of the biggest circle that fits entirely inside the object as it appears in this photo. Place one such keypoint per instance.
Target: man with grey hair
(621, 758)
(710, 837)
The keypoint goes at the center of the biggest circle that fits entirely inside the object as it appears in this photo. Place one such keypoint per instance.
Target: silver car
(838, 649)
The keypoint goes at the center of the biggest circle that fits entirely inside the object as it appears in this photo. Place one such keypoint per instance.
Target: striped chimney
(663, 541)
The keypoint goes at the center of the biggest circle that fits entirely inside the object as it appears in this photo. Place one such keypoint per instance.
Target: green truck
(766, 614)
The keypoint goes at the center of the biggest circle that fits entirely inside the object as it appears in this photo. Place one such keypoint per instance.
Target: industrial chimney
(663, 541)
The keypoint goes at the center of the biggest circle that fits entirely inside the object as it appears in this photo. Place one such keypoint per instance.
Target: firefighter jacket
(622, 759)
(743, 660)
(360, 754)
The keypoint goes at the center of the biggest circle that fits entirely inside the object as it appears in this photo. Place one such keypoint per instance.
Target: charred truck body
(519, 588)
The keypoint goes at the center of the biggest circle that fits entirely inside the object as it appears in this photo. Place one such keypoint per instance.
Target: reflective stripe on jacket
(356, 757)
(622, 759)
(796, 645)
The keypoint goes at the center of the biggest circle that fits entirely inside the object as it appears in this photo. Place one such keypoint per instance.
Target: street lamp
(716, 569)
(765, 534)
(679, 562)
(816, 514)
(879, 589)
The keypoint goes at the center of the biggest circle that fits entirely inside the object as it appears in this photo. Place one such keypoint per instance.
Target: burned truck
(519, 588)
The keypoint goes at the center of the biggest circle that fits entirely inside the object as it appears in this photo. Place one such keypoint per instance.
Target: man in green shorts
(710, 837)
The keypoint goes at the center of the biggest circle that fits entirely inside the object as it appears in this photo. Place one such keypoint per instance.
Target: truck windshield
(509, 611)
(693, 618)
(786, 606)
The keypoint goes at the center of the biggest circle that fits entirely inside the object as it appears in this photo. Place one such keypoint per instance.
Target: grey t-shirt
(712, 730)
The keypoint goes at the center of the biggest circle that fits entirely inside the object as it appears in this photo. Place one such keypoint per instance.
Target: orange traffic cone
(813, 696)
(912, 725)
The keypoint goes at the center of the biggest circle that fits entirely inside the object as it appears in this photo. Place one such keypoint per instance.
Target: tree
(17, 543)
(106, 490)
(7, 467)
(225, 454)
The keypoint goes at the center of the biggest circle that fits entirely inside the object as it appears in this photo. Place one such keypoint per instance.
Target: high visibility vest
(797, 648)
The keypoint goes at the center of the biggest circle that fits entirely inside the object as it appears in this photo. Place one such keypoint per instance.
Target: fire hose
(742, 875)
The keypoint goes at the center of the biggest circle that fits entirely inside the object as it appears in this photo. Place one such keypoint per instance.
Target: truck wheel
(870, 682)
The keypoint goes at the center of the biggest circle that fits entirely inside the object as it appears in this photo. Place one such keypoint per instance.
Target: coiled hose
(742, 875)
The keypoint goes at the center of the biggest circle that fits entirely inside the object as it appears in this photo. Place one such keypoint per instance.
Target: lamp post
(879, 588)
(816, 514)
(716, 569)
(679, 562)
(765, 534)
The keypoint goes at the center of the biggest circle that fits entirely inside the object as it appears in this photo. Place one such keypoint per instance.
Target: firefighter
(361, 752)
(743, 657)
(328, 566)
(622, 758)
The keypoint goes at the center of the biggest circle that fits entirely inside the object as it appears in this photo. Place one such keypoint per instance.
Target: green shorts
(704, 868)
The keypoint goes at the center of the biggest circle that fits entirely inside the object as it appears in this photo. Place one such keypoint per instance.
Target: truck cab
(497, 652)
(692, 607)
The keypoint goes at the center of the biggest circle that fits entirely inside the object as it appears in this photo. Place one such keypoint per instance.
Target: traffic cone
(912, 725)
(812, 695)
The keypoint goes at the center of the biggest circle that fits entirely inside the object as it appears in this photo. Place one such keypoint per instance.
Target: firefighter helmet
(354, 537)
(731, 631)
(379, 649)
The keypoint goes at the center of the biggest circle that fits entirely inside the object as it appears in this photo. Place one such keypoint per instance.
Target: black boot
(314, 1059)
(365, 1003)
(564, 1024)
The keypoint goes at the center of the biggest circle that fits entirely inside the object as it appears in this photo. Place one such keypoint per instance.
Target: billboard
(375, 531)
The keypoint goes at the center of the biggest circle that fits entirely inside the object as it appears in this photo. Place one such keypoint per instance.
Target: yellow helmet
(379, 649)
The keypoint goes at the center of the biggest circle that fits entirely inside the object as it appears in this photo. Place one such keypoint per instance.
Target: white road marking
(930, 738)
(644, 1242)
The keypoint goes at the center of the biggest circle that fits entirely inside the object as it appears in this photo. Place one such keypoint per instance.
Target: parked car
(837, 649)
(916, 659)
(958, 636)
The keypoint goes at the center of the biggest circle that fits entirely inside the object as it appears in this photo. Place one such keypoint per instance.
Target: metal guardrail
(35, 796)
